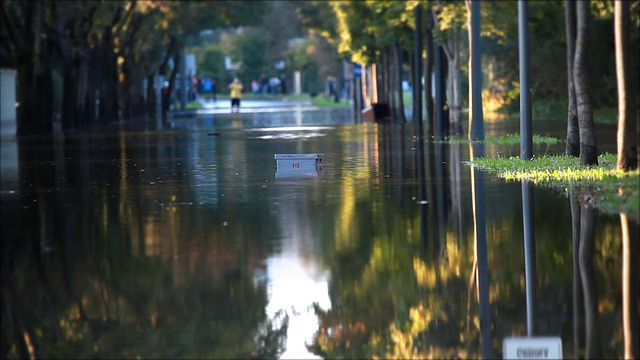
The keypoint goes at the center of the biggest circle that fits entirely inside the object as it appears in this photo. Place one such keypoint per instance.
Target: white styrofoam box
(298, 161)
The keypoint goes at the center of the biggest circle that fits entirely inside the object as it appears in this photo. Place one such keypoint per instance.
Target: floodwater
(184, 239)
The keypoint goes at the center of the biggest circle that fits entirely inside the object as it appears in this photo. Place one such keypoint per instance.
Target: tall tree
(627, 97)
(428, 71)
(366, 30)
(588, 147)
(450, 19)
(573, 134)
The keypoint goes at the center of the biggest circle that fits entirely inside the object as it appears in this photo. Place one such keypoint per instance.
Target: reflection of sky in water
(293, 288)
(295, 282)
(290, 132)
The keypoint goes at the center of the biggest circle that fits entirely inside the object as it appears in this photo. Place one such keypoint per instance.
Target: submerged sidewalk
(223, 105)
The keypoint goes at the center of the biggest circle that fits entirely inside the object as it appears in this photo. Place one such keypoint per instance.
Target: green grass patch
(608, 189)
(193, 105)
(509, 139)
(321, 101)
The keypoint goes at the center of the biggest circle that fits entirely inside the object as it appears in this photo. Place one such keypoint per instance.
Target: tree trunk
(133, 97)
(69, 94)
(24, 71)
(428, 71)
(91, 92)
(69, 73)
(470, 67)
(412, 81)
(573, 135)
(151, 96)
(166, 98)
(383, 83)
(627, 138)
(455, 126)
(443, 106)
(588, 147)
(42, 118)
(23, 57)
(162, 70)
(393, 81)
(81, 94)
(402, 118)
(366, 99)
(456, 105)
(109, 99)
(452, 51)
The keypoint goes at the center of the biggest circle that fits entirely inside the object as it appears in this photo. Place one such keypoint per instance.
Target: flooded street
(184, 239)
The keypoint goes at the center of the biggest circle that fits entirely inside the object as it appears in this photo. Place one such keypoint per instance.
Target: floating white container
(298, 161)
(298, 166)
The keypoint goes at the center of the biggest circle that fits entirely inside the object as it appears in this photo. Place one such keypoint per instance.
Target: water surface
(184, 239)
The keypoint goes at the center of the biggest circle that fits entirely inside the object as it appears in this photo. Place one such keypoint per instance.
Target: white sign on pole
(297, 83)
(190, 69)
(532, 348)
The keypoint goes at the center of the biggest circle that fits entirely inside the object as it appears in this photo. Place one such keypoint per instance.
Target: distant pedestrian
(255, 87)
(236, 93)
(194, 89)
(213, 90)
(274, 82)
(206, 87)
(264, 82)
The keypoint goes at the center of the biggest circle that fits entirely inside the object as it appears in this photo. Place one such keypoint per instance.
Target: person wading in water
(236, 92)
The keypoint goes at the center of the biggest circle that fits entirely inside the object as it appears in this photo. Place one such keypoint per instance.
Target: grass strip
(604, 186)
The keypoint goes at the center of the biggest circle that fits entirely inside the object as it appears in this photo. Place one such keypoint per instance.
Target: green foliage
(301, 55)
(250, 46)
(315, 58)
(605, 187)
(210, 61)
(190, 17)
(318, 17)
(548, 54)
(451, 15)
(367, 27)
(276, 38)
(499, 21)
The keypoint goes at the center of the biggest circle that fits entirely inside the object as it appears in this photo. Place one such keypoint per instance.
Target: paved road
(246, 106)
(252, 104)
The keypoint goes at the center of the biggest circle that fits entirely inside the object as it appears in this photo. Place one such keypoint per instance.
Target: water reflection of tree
(587, 278)
(588, 327)
(108, 290)
(387, 300)
(394, 298)
(593, 340)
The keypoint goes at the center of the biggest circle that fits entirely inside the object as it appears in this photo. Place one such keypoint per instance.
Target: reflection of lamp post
(232, 67)
(481, 251)
(526, 154)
